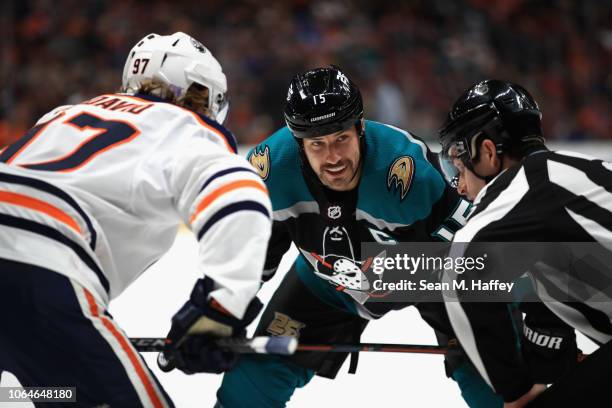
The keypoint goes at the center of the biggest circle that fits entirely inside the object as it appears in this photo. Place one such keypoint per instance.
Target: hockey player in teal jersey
(335, 181)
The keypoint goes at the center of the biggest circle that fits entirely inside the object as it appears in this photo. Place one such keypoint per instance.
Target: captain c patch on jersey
(400, 175)
(260, 159)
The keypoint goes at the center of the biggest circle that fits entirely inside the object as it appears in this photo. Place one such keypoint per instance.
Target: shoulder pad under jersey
(399, 185)
(277, 161)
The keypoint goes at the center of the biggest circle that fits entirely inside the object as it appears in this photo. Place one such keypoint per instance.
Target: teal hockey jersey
(401, 197)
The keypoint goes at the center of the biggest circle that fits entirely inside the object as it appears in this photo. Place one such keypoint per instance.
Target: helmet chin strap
(486, 179)
(362, 147)
(360, 128)
(358, 167)
(474, 144)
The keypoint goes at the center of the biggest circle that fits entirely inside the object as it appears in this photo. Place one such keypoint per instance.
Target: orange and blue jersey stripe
(49, 210)
(233, 207)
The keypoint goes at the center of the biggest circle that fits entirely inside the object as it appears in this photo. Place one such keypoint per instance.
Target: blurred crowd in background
(411, 59)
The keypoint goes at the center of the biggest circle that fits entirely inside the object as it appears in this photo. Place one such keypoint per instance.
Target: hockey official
(553, 212)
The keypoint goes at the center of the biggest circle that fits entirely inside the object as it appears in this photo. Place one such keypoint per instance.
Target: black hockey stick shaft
(375, 347)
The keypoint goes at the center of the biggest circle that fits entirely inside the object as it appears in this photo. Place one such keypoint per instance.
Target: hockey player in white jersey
(93, 195)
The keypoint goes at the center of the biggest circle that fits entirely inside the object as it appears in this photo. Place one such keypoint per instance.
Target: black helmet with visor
(500, 111)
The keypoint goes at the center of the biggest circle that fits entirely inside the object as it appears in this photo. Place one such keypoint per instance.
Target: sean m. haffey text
(430, 264)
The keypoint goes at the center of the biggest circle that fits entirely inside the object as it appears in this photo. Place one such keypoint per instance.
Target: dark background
(411, 59)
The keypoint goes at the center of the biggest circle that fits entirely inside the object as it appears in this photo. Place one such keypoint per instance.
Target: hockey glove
(549, 351)
(191, 343)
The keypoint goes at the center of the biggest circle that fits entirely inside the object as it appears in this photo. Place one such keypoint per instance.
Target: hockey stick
(377, 347)
(286, 345)
(283, 345)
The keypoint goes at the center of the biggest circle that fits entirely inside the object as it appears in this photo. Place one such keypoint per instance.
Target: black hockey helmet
(497, 110)
(322, 101)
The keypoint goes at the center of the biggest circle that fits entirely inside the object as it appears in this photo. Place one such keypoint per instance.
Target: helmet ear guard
(470, 127)
(462, 136)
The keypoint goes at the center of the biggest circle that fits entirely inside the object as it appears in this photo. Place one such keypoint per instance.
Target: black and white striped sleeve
(486, 330)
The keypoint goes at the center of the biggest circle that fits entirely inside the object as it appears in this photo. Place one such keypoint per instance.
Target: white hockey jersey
(134, 168)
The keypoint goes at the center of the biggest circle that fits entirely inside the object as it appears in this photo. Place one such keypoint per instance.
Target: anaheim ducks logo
(261, 161)
(400, 175)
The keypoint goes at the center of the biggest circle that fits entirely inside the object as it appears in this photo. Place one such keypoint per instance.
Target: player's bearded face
(335, 159)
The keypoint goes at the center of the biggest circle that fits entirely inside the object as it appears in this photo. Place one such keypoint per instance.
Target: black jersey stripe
(223, 173)
(595, 317)
(581, 205)
(232, 209)
(593, 169)
(577, 191)
(495, 189)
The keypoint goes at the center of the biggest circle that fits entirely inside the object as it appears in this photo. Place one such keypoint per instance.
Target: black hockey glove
(550, 350)
(191, 341)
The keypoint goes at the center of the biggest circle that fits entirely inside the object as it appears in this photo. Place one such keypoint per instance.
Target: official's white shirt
(138, 168)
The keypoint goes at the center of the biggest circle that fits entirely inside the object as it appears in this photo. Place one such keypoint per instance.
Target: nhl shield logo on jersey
(334, 212)
(400, 175)
(260, 159)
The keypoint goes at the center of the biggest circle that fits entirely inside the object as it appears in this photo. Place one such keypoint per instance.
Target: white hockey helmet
(179, 61)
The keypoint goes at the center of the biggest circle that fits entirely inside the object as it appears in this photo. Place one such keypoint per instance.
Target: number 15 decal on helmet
(323, 101)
